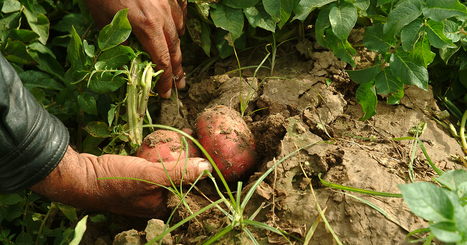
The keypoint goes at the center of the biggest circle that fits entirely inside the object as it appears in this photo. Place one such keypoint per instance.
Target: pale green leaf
(435, 31)
(386, 83)
(422, 53)
(39, 24)
(115, 57)
(79, 231)
(229, 19)
(304, 7)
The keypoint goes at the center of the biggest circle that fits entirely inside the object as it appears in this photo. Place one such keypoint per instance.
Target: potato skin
(228, 140)
(169, 145)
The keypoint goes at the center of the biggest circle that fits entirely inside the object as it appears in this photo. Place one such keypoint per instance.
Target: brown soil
(302, 110)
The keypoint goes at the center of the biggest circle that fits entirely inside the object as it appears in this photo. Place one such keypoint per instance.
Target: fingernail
(204, 165)
(167, 94)
(181, 83)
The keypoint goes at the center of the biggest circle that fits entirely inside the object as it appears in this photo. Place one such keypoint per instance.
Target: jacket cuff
(32, 141)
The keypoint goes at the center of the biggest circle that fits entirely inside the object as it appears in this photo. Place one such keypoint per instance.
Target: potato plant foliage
(84, 77)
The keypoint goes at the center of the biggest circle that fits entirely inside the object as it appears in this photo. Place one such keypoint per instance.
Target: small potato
(169, 145)
(228, 140)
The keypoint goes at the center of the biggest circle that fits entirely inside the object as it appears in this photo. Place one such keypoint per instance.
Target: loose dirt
(299, 107)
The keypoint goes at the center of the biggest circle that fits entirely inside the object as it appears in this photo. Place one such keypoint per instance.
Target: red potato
(228, 140)
(169, 145)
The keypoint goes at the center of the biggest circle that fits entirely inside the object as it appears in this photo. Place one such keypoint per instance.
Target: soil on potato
(298, 109)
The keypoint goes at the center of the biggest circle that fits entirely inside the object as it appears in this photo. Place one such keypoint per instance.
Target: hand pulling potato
(228, 140)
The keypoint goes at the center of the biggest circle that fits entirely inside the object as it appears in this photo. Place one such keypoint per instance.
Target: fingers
(179, 10)
(177, 170)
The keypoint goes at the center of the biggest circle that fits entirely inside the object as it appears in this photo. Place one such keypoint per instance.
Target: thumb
(188, 171)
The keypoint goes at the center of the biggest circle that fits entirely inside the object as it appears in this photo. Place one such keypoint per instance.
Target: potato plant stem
(462, 132)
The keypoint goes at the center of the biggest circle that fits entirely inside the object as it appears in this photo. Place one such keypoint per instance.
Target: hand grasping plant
(157, 24)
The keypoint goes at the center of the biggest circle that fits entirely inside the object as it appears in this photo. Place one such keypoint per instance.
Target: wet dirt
(298, 108)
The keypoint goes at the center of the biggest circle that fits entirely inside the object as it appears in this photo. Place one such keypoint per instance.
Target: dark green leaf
(16, 51)
(87, 103)
(10, 199)
(304, 7)
(428, 201)
(8, 22)
(273, 7)
(395, 98)
(439, 10)
(229, 19)
(38, 94)
(411, 33)
(68, 211)
(366, 97)
(446, 53)
(341, 49)
(224, 47)
(200, 33)
(25, 36)
(46, 61)
(69, 20)
(381, 2)
(422, 53)
(91, 145)
(373, 39)
(23, 238)
(386, 83)
(115, 57)
(38, 22)
(322, 23)
(27, 3)
(343, 18)
(106, 82)
(116, 32)
(364, 75)
(286, 10)
(98, 129)
(39, 79)
(240, 4)
(451, 30)
(405, 12)
(435, 31)
(258, 17)
(407, 70)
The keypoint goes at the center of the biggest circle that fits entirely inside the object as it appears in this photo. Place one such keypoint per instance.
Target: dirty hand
(75, 182)
(157, 24)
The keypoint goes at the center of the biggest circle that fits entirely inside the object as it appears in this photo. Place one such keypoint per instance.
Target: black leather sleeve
(32, 141)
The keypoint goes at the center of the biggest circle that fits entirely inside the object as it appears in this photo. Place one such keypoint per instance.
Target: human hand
(75, 182)
(157, 24)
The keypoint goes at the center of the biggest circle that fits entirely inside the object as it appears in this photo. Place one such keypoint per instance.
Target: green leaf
(403, 13)
(446, 232)
(79, 231)
(22, 35)
(322, 23)
(75, 52)
(32, 78)
(89, 50)
(98, 129)
(229, 19)
(46, 61)
(258, 17)
(439, 10)
(116, 32)
(240, 4)
(16, 51)
(435, 31)
(105, 82)
(361, 4)
(386, 83)
(10, 199)
(411, 33)
(28, 4)
(422, 53)
(341, 48)
(8, 22)
(200, 33)
(373, 39)
(428, 201)
(366, 97)
(10, 6)
(343, 18)
(395, 98)
(38, 22)
(115, 58)
(68, 211)
(69, 20)
(364, 75)
(446, 53)
(451, 30)
(87, 103)
(286, 9)
(407, 70)
(304, 7)
(280, 10)
(224, 47)
(453, 179)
